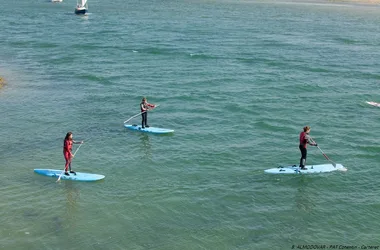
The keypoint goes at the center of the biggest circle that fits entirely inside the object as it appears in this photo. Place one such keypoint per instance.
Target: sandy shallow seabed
(2, 82)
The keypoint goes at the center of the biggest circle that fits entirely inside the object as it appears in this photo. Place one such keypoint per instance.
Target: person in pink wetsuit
(67, 147)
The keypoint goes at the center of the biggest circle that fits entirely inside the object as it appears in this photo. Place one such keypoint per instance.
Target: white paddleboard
(311, 169)
(376, 104)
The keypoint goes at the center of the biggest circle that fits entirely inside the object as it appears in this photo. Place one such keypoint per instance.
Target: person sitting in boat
(145, 106)
(304, 140)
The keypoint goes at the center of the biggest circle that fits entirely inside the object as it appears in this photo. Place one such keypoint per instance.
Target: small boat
(56, 1)
(81, 8)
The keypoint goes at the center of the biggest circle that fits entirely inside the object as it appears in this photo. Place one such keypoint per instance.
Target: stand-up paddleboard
(311, 169)
(376, 104)
(153, 130)
(78, 177)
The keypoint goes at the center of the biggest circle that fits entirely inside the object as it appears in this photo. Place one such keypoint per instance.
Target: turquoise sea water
(236, 80)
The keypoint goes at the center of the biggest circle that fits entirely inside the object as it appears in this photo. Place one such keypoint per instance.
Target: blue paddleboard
(152, 130)
(78, 177)
(311, 169)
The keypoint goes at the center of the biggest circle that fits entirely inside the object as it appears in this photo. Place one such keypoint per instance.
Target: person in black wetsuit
(145, 106)
(304, 140)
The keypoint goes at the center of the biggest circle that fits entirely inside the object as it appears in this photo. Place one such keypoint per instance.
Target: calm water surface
(236, 80)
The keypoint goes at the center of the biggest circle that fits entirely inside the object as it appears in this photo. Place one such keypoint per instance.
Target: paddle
(69, 163)
(140, 113)
(327, 158)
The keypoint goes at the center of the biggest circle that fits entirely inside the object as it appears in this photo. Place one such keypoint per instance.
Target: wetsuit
(304, 140)
(67, 146)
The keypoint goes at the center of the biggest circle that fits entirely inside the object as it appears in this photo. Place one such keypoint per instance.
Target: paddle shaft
(140, 114)
(327, 158)
(69, 162)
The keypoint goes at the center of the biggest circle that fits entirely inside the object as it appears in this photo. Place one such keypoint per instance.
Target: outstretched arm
(151, 105)
(310, 141)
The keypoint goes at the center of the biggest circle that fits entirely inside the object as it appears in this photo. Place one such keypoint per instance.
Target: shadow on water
(72, 196)
(303, 198)
(56, 224)
(68, 218)
(146, 146)
(31, 214)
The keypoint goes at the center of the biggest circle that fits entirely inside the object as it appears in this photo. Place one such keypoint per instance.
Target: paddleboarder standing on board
(304, 140)
(145, 106)
(67, 146)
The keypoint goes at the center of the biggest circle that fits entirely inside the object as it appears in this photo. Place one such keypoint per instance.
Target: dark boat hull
(80, 11)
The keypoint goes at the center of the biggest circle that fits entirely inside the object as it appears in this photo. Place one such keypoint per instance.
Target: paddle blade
(59, 178)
